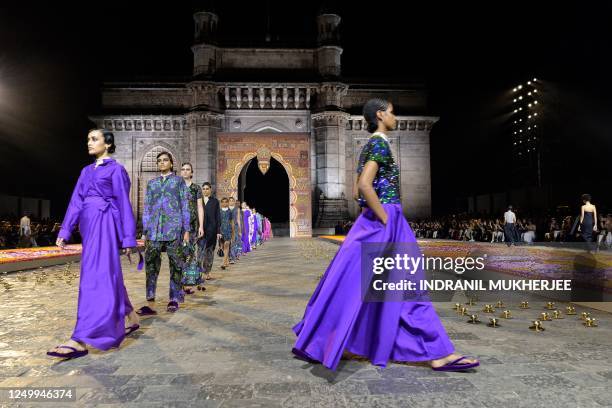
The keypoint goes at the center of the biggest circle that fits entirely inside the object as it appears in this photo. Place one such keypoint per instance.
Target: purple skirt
(103, 299)
(336, 319)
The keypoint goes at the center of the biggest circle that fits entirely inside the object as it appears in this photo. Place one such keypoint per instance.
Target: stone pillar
(203, 131)
(329, 131)
(415, 173)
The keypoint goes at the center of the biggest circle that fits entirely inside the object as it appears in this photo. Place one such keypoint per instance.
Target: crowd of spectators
(27, 232)
(487, 228)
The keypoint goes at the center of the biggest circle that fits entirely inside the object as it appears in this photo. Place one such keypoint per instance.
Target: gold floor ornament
(493, 322)
(474, 319)
(524, 305)
(506, 314)
(557, 315)
(570, 310)
(537, 326)
(545, 317)
(488, 309)
(590, 322)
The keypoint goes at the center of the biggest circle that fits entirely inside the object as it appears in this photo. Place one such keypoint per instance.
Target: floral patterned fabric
(166, 209)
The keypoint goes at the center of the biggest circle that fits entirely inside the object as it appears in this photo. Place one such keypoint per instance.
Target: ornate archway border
(293, 213)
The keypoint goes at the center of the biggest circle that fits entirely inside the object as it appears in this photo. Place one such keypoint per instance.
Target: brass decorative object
(493, 322)
(590, 322)
(474, 319)
(500, 304)
(488, 309)
(545, 317)
(557, 315)
(506, 314)
(550, 306)
(463, 311)
(585, 315)
(524, 305)
(457, 307)
(537, 326)
(570, 310)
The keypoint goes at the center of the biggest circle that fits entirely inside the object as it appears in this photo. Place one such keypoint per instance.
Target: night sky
(54, 58)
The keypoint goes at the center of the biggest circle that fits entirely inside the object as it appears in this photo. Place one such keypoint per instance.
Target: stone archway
(148, 170)
(291, 150)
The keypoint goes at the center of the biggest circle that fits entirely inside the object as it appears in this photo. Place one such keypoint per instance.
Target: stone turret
(328, 41)
(205, 43)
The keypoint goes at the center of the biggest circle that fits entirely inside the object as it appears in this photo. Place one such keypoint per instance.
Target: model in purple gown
(246, 244)
(336, 318)
(100, 205)
(255, 229)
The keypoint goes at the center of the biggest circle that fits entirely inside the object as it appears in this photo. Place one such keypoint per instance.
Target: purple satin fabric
(336, 319)
(100, 204)
(246, 245)
(255, 227)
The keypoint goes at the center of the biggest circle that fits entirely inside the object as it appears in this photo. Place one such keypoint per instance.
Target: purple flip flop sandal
(453, 366)
(146, 311)
(131, 329)
(73, 354)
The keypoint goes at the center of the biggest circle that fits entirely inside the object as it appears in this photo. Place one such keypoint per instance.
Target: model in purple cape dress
(100, 205)
(337, 320)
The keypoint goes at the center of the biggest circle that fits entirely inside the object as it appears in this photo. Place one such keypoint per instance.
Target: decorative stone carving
(331, 93)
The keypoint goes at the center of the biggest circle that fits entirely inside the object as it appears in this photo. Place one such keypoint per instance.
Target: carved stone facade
(320, 110)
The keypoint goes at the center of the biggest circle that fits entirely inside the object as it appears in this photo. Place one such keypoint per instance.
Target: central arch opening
(267, 193)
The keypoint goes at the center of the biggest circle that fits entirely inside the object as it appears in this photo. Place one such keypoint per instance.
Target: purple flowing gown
(337, 319)
(246, 245)
(254, 236)
(100, 204)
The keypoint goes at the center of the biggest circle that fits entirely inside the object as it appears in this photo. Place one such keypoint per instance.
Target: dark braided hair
(369, 112)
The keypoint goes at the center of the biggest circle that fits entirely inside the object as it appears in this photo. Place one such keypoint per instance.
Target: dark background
(54, 58)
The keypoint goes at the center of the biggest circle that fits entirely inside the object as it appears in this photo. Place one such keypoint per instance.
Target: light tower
(526, 127)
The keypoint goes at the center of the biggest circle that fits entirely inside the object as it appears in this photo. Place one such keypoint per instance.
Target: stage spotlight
(536, 102)
(516, 110)
(534, 79)
(521, 97)
(520, 87)
(535, 91)
(528, 82)
(529, 105)
(514, 100)
(528, 93)
(535, 114)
